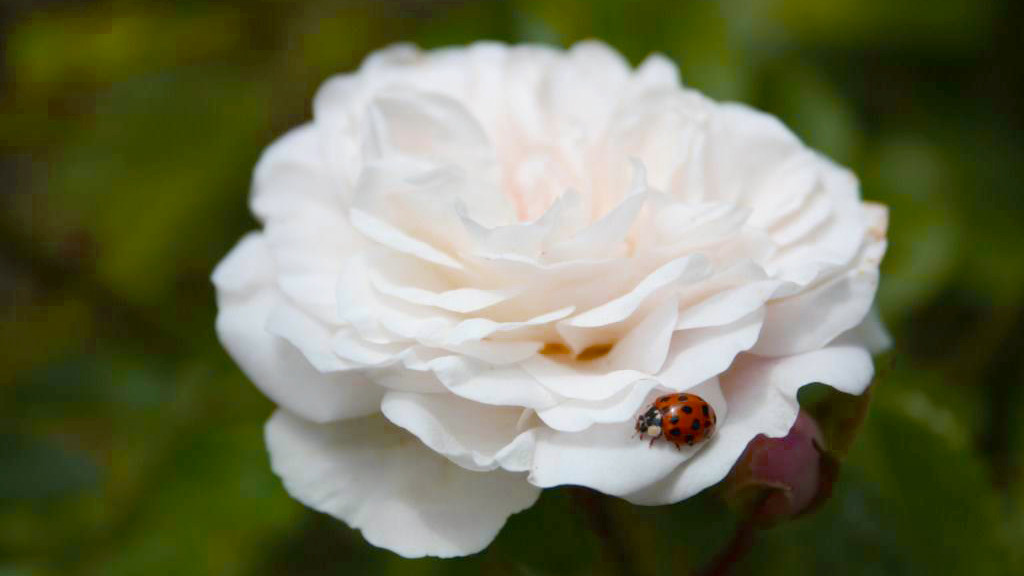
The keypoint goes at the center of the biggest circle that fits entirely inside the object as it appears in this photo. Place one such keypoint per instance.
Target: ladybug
(679, 418)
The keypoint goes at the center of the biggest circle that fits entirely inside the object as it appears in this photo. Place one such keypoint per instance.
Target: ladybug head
(649, 422)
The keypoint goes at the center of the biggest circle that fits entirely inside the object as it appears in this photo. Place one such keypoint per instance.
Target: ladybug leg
(653, 438)
(678, 449)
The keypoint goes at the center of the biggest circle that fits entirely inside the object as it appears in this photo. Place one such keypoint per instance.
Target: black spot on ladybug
(696, 424)
(675, 420)
(682, 397)
(704, 409)
(663, 399)
(687, 409)
(675, 432)
(689, 439)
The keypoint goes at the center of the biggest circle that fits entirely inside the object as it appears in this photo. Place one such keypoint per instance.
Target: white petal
(745, 149)
(387, 235)
(700, 353)
(786, 191)
(401, 495)
(698, 225)
(292, 175)
(310, 337)
(606, 236)
(462, 300)
(847, 368)
(835, 243)
(657, 71)
(283, 373)
(871, 334)
(479, 328)
(814, 317)
(576, 415)
(634, 358)
(312, 241)
(422, 199)
(640, 353)
(523, 238)
(410, 374)
(247, 268)
(687, 268)
(761, 394)
(582, 86)
(488, 384)
(706, 470)
(474, 436)
(357, 302)
(608, 458)
(644, 347)
(397, 55)
(246, 297)
(810, 216)
(425, 125)
(573, 381)
(727, 306)
(314, 293)
(348, 345)
(497, 352)
(663, 127)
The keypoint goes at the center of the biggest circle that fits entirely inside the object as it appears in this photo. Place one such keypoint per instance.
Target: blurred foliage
(130, 444)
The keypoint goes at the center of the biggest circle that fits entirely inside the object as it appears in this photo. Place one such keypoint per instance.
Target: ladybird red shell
(685, 418)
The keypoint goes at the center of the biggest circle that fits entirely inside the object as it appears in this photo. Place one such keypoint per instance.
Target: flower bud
(780, 478)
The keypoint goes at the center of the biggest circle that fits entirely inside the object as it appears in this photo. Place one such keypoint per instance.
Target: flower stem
(614, 546)
(739, 545)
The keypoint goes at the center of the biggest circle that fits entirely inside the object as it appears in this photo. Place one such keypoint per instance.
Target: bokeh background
(130, 444)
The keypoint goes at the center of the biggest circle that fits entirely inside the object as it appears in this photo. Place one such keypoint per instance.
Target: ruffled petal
(245, 304)
(575, 415)
(476, 437)
(391, 237)
(596, 326)
(685, 269)
(424, 125)
(491, 385)
(609, 458)
(701, 353)
(761, 394)
(308, 336)
(745, 148)
(814, 317)
(248, 268)
(570, 381)
(458, 241)
(292, 176)
(382, 481)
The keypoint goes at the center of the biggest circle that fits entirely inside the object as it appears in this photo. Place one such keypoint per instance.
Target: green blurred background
(130, 444)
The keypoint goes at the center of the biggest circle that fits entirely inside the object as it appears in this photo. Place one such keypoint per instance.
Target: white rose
(477, 265)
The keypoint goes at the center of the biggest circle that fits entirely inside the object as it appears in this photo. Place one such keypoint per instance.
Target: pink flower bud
(779, 478)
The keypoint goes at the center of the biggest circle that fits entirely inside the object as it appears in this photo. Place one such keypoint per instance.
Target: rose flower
(478, 265)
